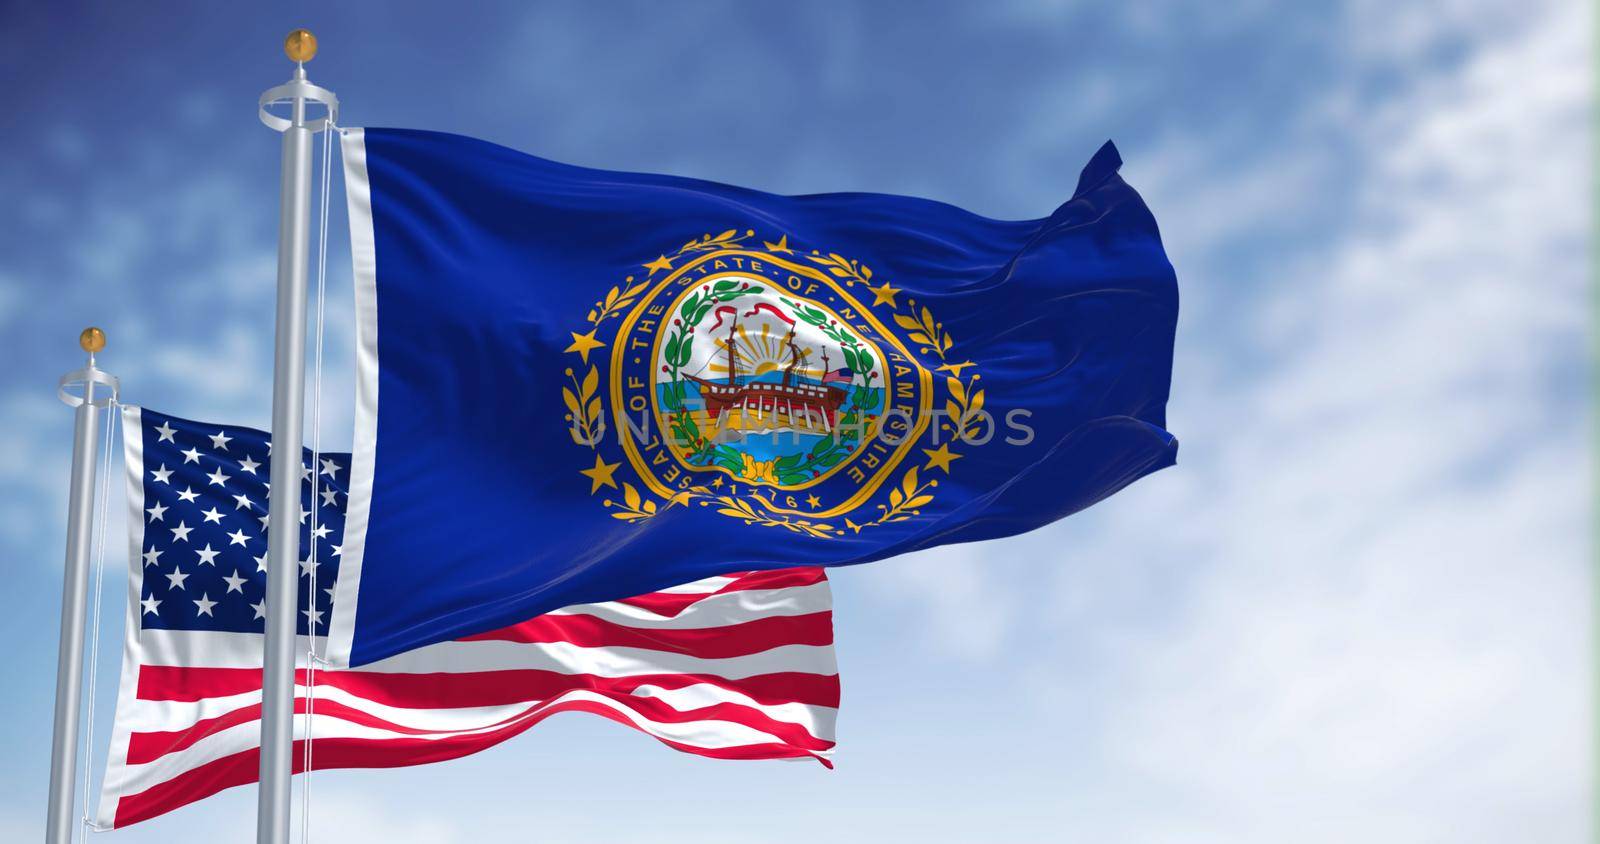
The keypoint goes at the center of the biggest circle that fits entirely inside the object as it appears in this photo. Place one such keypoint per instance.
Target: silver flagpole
(288, 401)
(75, 581)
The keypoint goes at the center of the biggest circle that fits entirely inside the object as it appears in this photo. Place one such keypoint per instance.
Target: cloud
(1382, 633)
(350, 815)
(954, 601)
(1365, 612)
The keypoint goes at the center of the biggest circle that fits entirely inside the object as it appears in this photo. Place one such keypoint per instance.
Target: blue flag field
(576, 385)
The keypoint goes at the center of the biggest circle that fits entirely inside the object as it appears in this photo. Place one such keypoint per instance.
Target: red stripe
(241, 768)
(478, 688)
(669, 604)
(146, 747)
(750, 637)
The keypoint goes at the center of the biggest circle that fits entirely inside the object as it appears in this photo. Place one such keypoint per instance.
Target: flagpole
(288, 402)
(75, 581)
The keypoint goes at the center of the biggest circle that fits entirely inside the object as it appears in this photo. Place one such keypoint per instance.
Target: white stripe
(817, 720)
(566, 658)
(210, 649)
(127, 686)
(364, 263)
(699, 587)
(715, 610)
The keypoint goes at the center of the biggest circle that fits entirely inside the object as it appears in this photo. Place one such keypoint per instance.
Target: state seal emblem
(784, 389)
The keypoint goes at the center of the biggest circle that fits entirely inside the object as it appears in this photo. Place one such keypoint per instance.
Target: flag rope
(316, 473)
(113, 417)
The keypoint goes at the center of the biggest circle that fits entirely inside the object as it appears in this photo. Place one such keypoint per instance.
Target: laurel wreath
(905, 501)
(587, 424)
(841, 267)
(966, 397)
(633, 507)
(741, 509)
(789, 469)
(706, 243)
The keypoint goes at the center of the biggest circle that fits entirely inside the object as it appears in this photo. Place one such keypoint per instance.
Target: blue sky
(1358, 609)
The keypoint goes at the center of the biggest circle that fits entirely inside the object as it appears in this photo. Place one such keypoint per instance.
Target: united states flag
(733, 667)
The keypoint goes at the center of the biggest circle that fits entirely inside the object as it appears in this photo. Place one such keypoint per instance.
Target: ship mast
(733, 354)
(794, 358)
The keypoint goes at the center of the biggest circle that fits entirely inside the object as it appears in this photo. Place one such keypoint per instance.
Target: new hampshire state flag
(576, 385)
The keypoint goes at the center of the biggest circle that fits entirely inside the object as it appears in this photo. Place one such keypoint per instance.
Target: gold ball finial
(92, 340)
(300, 46)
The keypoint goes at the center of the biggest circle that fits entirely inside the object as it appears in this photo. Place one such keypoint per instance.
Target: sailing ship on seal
(789, 404)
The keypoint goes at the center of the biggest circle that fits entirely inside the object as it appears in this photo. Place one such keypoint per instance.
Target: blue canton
(204, 551)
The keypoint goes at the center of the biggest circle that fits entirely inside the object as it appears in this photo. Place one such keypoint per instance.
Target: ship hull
(772, 407)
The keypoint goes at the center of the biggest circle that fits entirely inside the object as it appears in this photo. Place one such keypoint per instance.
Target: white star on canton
(305, 472)
(157, 511)
(260, 607)
(264, 521)
(328, 497)
(176, 579)
(242, 501)
(338, 550)
(330, 468)
(217, 478)
(261, 563)
(220, 440)
(248, 465)
(305, 566)
(212, 515)
(188, 495)
(208, 557)
(322, 531)
(152, 557)
(192, 455)
(162, 474)
(205, 604)
(329, 590)
(150, 605)
(315, 616)
(235, 583)
(166, 431)
(181, 532)
(237, 538)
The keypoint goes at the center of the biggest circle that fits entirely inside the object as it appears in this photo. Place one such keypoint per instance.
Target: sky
(1360, 606)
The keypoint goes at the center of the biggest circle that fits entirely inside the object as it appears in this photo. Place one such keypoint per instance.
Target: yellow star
(600, 475)
(717, 482)
(955, 368)
(583, 344)
(779, 248)
(884, 295)
(813, 501)
(940, 457)
(661, 263)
